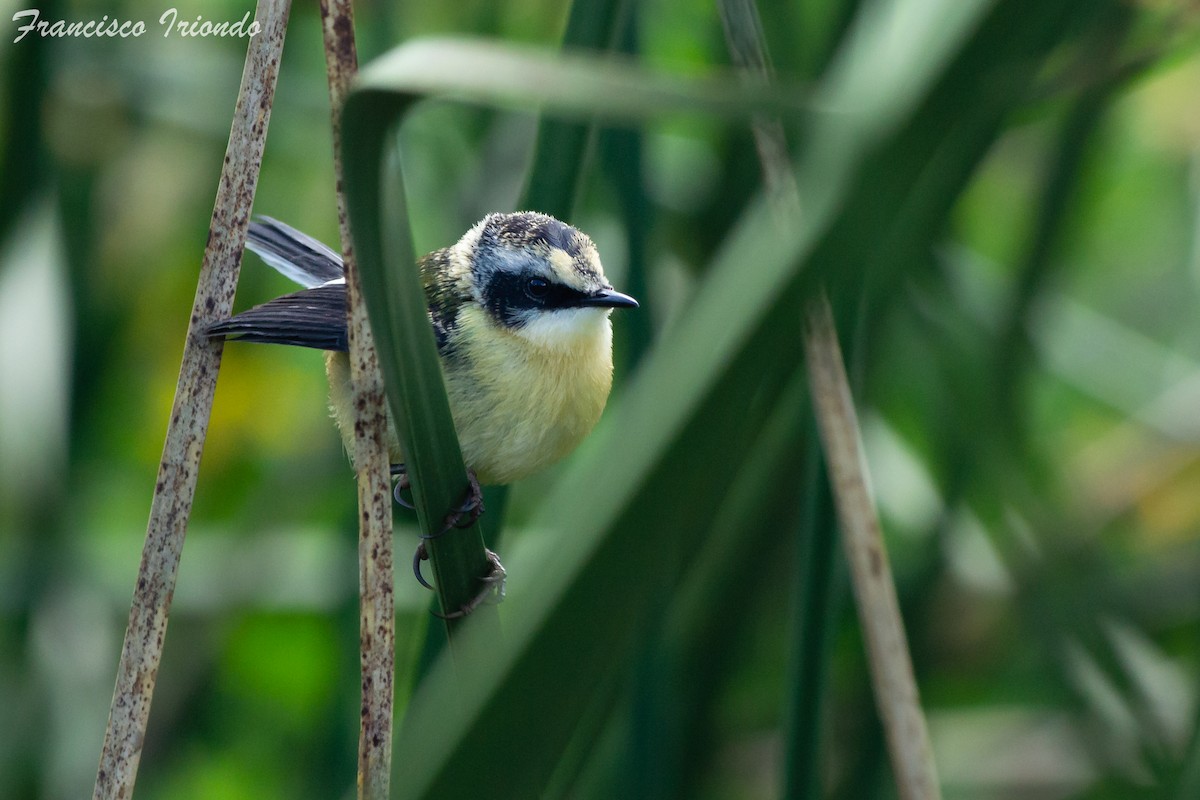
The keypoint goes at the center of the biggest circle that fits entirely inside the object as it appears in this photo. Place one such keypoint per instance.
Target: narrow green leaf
(562, 146)
(24, 161)
(408, 357)
(817, 605)
(622, 153)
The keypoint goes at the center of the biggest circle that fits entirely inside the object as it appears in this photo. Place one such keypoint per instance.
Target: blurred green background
(1028, 382)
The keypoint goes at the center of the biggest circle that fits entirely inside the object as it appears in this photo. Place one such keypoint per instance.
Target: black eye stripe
(508, 296)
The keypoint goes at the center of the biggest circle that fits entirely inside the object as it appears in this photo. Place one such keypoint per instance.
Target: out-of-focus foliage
(1026, 356)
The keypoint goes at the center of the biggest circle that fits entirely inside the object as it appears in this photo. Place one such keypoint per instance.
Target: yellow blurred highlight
(1170, 511)
(1167, 115)
(269, 400)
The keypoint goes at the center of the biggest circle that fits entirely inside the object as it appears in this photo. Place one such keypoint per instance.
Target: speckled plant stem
(377, 636)
(176, 484)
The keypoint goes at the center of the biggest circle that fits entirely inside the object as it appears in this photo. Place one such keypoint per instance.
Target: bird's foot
(493, 590)
(462, 517)
(470, 510)
(494, 583)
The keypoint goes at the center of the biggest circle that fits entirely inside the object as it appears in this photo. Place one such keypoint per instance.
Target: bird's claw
(493, 591)
(462, 517)
(402, 484)
(421, 555)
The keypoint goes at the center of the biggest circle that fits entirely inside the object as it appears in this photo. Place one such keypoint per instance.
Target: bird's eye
(538, 287)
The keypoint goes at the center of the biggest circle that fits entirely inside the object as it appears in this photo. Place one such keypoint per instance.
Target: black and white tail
(315, 317)
(297, 255)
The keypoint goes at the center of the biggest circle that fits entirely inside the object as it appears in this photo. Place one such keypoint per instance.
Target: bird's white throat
(568, 328)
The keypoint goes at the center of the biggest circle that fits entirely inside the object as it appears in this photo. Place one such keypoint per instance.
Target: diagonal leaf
(577, 618)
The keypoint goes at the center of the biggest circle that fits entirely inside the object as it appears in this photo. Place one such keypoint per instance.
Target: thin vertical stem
(175, 486)
(377, 630)
(818, 599)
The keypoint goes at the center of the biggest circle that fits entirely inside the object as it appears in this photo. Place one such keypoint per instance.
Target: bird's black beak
(608, 298)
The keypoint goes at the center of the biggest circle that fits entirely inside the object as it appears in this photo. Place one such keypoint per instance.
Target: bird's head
(539, 278)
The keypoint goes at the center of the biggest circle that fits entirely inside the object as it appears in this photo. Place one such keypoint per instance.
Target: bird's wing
(297, 255)
(311, 318)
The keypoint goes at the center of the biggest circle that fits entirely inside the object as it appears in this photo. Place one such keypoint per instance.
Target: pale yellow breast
(519, 404)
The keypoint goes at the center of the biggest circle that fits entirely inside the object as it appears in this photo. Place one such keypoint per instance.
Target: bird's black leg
(470, 510)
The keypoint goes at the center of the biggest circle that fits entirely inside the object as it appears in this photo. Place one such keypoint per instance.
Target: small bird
(520, 311)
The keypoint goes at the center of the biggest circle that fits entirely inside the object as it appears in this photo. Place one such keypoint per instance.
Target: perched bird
(520, 310)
